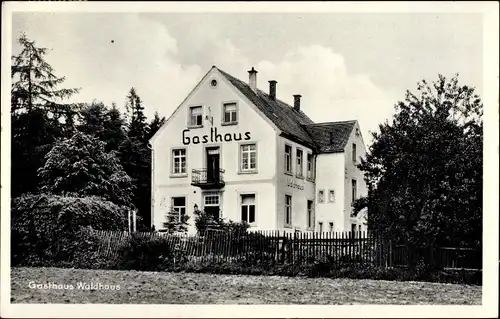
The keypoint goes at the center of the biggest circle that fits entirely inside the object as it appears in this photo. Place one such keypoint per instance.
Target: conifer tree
(135, 156)
(38, 113)
(155, 125)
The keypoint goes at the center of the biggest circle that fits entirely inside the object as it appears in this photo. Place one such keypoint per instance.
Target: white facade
(228, 157)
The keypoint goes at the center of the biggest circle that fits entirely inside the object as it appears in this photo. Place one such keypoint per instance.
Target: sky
(346, 66)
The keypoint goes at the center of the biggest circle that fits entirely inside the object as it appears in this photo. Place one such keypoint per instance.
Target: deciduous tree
(424, 169)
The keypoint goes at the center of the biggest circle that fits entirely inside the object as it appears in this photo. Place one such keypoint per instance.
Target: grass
(190, 288)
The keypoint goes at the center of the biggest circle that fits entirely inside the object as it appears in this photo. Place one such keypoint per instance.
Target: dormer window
(195, 116)
(230, 115)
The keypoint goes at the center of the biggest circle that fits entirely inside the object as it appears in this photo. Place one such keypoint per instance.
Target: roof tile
(296, 125)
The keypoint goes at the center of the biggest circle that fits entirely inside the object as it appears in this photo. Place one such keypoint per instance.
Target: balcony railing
(204, 178)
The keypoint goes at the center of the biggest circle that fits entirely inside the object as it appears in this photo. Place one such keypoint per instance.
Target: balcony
(207, 179)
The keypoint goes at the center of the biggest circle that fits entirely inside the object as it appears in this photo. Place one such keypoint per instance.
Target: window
(310, 214)
(211, 204)
(212, 200)
(354, 190)
(288, 210)
(353, 227)
(320, 224)
(331, 227)
(248, 208)
(288, 158)
(230, 113)
(331, 196)
(310, 166)
(195, 116)
(321, 196)
(179, 205)
(359, 227)
(354, 152)
(299, 163)
(248, 157)
(179, 161)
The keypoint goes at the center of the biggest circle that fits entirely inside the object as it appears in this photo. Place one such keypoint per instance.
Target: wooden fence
(293, 248)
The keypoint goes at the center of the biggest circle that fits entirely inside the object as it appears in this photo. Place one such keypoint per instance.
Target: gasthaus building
(242, 154)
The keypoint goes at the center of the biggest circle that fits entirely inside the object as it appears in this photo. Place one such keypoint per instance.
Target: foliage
(46, 227)
(79, 166)
(424, 170)
(155, 125)
(137, 125)
(176, 222)
(205, 221)
(114, 134)
(107, 124)
(135, 156)
(145, 253)
(38, 113)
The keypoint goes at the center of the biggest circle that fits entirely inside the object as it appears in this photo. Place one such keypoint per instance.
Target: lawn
(174, 288)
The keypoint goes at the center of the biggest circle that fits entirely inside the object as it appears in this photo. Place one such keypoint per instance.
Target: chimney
(272, 89)
(252, 79)
(296, 102)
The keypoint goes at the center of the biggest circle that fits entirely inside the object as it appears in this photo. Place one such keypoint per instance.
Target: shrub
(45, 228)
(207, 222)
(176, 222)
(148, 253)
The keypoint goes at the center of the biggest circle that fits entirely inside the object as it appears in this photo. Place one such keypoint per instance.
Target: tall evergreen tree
(104, 123)
(38, 113)
(135, 156)
(114, 129)
(92, 119)
(155, 125)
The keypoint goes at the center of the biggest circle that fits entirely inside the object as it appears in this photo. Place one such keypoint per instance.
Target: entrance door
(213, 164)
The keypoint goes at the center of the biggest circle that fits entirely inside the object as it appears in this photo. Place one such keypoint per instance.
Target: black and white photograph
(237, 159)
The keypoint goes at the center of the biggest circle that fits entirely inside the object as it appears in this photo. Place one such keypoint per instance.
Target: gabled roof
(295, 125)
(285, 117)
(331, 137)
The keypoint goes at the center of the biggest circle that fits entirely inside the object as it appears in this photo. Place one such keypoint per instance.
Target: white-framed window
(354, 186)
(331, 227)
(321, 196)
(354, 156)
(248, 208)
(310, 214)
(320, 226)
(288, 158)
(288, 210)
(300, 164)
(195, 116)
(179, 161)
(230, 111)
(331, 196)
(310, 169)
(248, 157)
(211, 200)
(179, 205)
(212, 203)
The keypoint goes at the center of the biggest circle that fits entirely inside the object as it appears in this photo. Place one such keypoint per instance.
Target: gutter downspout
(152, 186)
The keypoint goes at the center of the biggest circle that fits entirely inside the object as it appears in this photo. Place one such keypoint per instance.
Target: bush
(206, 222)
(153, 253)
(45, 229)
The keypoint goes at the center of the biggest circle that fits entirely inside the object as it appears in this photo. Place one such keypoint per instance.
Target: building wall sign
(291, 183)
(214, 137)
